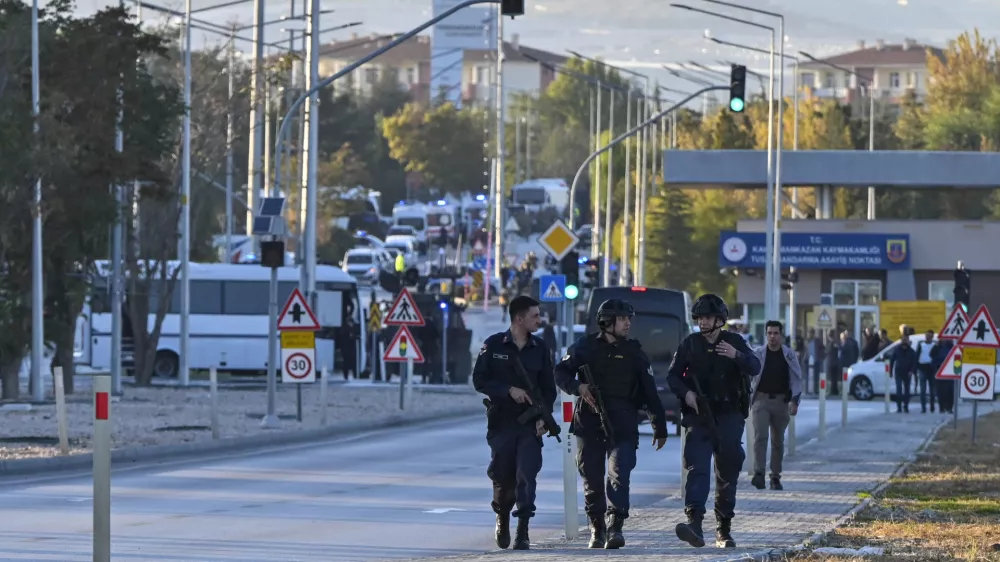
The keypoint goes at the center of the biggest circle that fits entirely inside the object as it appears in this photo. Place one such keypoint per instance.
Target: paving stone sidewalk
(823, 482)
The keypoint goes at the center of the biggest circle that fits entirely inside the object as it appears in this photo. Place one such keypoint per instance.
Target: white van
(538, 194)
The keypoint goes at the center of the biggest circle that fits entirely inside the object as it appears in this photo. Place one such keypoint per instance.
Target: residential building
(895, 69)
(410, 64)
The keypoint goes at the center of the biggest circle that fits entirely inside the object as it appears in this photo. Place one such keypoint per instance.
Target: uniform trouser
(602, 496)
(698, 454)
(927, 385)
(515, 460)
(946, 394)
(769, 415)
(902, 391)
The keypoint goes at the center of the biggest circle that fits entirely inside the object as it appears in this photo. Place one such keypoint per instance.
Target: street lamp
(871, 118)
(772, 252)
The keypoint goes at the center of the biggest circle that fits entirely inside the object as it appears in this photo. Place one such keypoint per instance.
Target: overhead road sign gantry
(297, 315)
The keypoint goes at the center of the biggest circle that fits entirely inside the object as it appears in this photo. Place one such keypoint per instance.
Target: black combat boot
(598, 532)
(503, 530)
(690, 532)
(776, 483)
(521, 540)
(757, 481)
(723, 534)
(615, 537)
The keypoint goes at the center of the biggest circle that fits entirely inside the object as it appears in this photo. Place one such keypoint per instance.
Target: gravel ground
(143, 415)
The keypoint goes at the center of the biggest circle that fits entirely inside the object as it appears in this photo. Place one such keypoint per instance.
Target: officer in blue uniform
(720, 365)
(624, 378)
(516, 448)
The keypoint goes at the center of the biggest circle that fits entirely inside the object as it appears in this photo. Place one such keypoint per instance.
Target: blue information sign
(818, 251)
(552, 288)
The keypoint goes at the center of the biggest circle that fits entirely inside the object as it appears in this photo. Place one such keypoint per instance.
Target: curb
(230, 445)
(780, 554)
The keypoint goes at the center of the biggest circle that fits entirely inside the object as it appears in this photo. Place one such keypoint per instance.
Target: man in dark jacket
(945, 387)
(832, 363)
(869, 348)
(902, 367)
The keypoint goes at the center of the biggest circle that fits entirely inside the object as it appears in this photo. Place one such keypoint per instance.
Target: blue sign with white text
(818, 251)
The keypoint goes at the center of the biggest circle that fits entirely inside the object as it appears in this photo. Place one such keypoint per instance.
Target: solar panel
(271, 207)
(262, 225)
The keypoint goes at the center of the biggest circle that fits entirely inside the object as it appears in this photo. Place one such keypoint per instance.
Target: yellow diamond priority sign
(558, 240)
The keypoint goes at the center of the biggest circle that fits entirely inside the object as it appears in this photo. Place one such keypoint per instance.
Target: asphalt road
(420, 491)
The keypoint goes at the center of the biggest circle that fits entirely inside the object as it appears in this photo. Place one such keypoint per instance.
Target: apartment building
(410, 64)
(895, 69)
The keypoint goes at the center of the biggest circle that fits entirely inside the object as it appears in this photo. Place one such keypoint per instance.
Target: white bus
(228, 318)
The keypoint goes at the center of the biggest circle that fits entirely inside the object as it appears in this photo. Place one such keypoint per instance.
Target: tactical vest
(719, 376)
(614, 371)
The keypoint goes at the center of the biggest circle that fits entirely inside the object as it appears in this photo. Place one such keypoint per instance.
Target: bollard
(810, 381)
(887, 390)
(213, 391)
(409, 384)
(101, 446)
(791, 434)
(61, 423)
(322, 396)
(569, 471)
(822, 408)
(843, 399)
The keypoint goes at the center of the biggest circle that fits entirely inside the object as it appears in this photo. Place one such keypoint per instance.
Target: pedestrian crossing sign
(404, 311)
(824, 318)
(552, 288)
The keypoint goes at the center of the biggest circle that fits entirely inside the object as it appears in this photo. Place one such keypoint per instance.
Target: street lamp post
(871, 118)
(772, 247)
(795, 102)
(37, 290)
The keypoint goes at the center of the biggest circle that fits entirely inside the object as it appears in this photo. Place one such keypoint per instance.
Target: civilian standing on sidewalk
(902, 367)
(774, 398)
(925, 366)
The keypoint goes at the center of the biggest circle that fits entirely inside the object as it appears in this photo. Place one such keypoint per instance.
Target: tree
(444, 143)
(669, 232)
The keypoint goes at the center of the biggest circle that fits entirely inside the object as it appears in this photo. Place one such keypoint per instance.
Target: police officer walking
(515, 448)
(624, 381)
(710, 375)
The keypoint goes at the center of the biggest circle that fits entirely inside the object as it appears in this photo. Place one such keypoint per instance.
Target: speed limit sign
(977, 384)
(298, 357)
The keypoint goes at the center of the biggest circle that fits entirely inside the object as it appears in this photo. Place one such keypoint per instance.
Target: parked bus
(228, 318)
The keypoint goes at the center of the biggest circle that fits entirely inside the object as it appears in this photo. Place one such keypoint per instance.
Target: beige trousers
(769, 416)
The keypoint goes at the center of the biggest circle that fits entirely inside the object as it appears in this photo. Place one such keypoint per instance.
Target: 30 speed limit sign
(977, 384)
(298, 357)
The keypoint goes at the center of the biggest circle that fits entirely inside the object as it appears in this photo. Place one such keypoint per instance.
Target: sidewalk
(823, 482)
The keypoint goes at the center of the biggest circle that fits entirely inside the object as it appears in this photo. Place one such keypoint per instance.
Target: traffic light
(737, 88)
(570, 267)
(512, 7)
(592, 273)
(963, 286)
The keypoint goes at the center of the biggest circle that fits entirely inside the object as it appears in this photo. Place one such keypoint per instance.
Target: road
(419, 491)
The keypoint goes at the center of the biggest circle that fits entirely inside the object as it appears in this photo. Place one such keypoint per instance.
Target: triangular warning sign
(511, 226)
(955, 326)
(824, 318)
(403, 348)
(951, 369)
(553, 291)
(982, 331)
(404, 311)
(297, 315)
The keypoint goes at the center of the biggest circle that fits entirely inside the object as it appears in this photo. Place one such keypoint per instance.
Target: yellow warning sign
(980, 355)
(298, 340)
(374, 317)
(558, 240)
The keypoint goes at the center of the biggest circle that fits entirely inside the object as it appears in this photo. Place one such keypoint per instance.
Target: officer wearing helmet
(717, 365)
(624, 378)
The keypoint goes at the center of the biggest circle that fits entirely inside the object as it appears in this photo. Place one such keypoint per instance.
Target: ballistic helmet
(612, 309)
(710, 305)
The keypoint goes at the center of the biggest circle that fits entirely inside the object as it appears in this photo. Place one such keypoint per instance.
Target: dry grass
(946, 506)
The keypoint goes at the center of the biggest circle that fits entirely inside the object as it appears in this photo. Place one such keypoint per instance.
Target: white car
(866, 379)
(364, 264)
(406, 245)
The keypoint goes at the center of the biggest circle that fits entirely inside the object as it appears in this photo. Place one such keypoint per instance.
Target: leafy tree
(669, 232)
(444, 143)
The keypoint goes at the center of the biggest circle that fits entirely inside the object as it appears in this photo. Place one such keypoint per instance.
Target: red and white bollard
(569, 469)
(843, 399)
(101, 445)
(822, 407)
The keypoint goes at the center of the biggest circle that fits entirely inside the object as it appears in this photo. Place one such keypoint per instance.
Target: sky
(645, 34)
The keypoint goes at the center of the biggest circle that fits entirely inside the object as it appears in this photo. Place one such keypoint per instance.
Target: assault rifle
(537, 408)
(601, 410)
(707, 417)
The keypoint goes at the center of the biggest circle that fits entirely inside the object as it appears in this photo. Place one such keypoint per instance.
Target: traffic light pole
(621, 138)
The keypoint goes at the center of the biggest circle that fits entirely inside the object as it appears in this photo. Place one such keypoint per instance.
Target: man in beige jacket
(774, 398)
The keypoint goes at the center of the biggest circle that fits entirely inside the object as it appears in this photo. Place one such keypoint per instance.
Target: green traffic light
(736, 104)
(572, 292)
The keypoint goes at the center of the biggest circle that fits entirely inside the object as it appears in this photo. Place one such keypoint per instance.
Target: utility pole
(185, 249)
(309, 153)
(37, 289)
(501, 191)
(229, 147)
(255, 170)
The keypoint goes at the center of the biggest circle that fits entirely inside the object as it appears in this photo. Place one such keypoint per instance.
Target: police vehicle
(660, 323)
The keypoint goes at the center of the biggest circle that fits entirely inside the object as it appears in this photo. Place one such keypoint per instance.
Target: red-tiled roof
(908, 53)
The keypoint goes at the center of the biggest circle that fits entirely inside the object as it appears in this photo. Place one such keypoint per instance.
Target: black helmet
(612, 309)
(710, 305)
